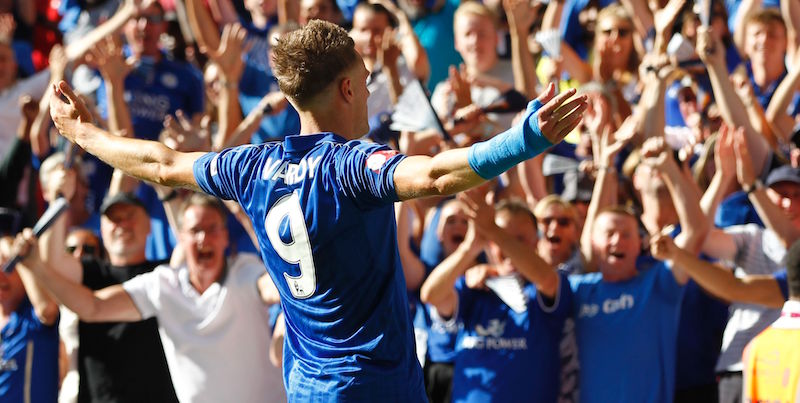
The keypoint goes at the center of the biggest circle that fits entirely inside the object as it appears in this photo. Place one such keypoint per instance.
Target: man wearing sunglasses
(115, 360)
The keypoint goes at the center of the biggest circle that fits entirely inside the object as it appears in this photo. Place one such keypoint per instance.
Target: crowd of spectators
(633, 262)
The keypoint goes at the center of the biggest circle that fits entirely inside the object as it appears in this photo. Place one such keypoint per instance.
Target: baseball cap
(784, 173)
(125, 198)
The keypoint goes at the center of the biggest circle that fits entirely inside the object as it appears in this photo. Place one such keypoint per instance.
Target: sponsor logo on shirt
(376, 160)
(490, 337)
(609, 306)
(169, 80)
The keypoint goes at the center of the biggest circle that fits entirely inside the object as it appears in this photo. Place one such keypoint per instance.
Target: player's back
(323, 213)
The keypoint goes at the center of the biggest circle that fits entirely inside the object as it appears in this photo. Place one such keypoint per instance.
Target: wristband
(757, 184)
(524, 140)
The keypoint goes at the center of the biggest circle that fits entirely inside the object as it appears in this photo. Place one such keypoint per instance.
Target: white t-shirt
(759, 251)
(380, 100)
(217, 343)
(10, 112)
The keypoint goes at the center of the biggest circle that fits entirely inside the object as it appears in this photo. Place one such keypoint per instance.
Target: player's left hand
(67, 115)
(559, 115)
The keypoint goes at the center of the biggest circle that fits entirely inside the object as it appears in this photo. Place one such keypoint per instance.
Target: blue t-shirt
(29, 362)
(703, 320)
(323, 213)
(509, 356)
(155, 90)
(435, 32)
(627, 335)
(764, 95)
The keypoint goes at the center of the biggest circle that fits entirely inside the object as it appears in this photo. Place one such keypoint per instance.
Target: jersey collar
(308, 141)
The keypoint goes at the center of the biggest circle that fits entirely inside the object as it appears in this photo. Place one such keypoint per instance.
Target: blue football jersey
(323, 212)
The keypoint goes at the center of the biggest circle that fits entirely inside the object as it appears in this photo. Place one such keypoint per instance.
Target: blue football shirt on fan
(154, 90)
(509, 356)
(627, 335)
(28, 358)
(323, 213)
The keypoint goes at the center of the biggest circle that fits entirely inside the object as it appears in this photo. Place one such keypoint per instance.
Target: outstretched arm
(148, 160)
(111, 304)
(549, 118)
(717, 280)
(527, 262)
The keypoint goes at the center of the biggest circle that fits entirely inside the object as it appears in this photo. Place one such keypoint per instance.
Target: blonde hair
(553, 199)
(472, 7)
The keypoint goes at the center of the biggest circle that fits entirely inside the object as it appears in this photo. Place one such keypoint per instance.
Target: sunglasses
(88, 249)
(560, 221)
(153, 19)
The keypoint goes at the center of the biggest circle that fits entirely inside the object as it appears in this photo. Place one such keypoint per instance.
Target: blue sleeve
(226, 174)
(365, 173)
(780, 277)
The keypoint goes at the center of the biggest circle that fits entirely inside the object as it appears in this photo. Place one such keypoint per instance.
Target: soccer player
(322, 209)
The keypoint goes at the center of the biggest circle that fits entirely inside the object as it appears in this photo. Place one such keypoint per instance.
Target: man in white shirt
(211, 310)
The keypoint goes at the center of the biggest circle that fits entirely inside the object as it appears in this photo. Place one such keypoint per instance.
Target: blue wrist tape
(523, 141)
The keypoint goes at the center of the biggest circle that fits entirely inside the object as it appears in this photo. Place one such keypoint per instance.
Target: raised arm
(685, 198)
(791, 16)
(203, 26)
(40, 131)
(128, 10)
(520, 16)
(730, 105)
(724, 175)
(111, 304)
(776, 114)
(113, 67)
(527, 262)
(548, 119)
(52, 243)
(413, 52)
(148, 160)
(743, 12)
(770, 213)
(43, 303)
(717, 280)
(228, 57)
(642, 16)
(439, 288)
(604, 193)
